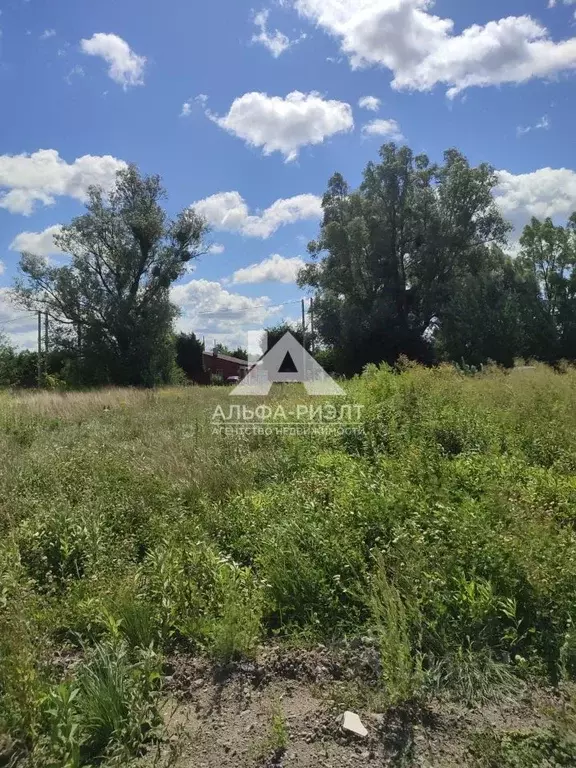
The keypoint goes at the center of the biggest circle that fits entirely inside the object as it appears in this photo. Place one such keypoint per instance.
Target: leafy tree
(548, 254)
(111, 303)
(390, 254)
(276, 332)
(222, 349)
(490, 315)
(189, 354)
(17, 368)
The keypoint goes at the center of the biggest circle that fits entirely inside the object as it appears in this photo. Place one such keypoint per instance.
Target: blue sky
(242, 106)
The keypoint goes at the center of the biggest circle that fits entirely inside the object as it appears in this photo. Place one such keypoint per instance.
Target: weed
(473, 677)
(401, 669)
(445, 529)
(273, 745)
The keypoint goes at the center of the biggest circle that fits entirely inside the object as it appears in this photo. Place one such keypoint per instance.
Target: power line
(256, 306)
(206, 312)
(15, 319)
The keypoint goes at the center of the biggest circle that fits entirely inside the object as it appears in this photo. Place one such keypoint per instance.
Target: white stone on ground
(351, 723)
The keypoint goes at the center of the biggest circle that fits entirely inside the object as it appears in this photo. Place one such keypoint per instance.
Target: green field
(444, 532)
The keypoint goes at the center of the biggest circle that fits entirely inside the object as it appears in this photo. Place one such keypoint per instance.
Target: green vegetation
(553, 747)
(445, 531)
(274, 744)
(413, 263)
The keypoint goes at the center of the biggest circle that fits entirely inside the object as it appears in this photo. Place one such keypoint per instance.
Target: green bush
(445, 531)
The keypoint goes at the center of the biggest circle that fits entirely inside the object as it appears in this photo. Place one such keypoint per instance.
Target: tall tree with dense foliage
(112, 301)
(190, 354)
(492, 314)
(548, 254)
(391, 254)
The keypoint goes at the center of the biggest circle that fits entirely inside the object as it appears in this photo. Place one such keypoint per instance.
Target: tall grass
(446, 530)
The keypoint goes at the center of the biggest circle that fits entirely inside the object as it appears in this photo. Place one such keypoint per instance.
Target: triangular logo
(288, 365)
(270, 369)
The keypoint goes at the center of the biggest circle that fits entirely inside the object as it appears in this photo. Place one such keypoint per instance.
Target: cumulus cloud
(208, 308)
(2, 267)
(276, 42)
(422, 50)
(386, 128)
(216, 248)
(125, 67)
(287, 124)
(47, 34)
(42, 176)
(20, 327)
(39, 243)
(229, 211)
(545, 192)
(274, 269)
(369, 102)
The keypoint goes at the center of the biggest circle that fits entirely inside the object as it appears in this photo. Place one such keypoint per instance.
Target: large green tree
(492, 314)
(548, 254)
(111, 303)
(190, 354)
(391, 254)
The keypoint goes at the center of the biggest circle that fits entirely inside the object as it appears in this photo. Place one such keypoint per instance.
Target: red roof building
(224, 366)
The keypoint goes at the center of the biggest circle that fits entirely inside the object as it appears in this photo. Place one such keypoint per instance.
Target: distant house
(224, 366)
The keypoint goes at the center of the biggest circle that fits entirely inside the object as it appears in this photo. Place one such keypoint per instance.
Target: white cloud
(228, 211)
(2, 267)
(275, 268)
(385, 128)
(208, 308)
(285, 124)
(545, 192)
(39, 243)
(542, 124)
(201, 99)
(76, 71)
(126, 67)
(42, 176)
(421, 49)
(276, 42)
(369, 102)
(47, 33)
(20, 327)
(216, 248)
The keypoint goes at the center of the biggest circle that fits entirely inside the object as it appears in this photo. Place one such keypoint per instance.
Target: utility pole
(304, 335)
(312, 342)
(46, 342)
(39, 372)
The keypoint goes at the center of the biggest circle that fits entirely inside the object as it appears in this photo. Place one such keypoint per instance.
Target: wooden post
(39, 371)
(46, 343)
(312, 343)
(304, 336)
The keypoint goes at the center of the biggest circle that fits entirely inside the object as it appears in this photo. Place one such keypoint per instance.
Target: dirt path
(283, 710)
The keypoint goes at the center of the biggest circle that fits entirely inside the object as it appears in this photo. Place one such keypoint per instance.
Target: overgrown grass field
(445, 531)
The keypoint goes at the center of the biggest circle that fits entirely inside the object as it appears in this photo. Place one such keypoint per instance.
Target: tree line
(414, 262)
